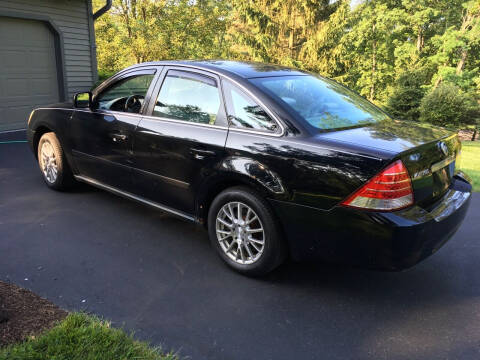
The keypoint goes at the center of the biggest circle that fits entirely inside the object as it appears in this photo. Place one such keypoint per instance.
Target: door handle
(201, 154)
(118, 137)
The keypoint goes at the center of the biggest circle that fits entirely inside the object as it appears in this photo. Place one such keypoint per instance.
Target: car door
(181, 138)
(102, 137)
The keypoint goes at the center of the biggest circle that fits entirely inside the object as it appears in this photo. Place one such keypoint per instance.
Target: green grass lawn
(470, 162)
(82, 337)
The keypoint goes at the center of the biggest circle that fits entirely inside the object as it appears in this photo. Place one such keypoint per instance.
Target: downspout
(102, 10)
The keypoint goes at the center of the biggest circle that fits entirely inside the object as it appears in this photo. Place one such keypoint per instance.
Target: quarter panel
(310, 175)
(253, 170)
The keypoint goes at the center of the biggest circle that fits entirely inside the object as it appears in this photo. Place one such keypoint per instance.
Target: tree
(275, 31)
(324, 51)
(135, 31)
(408, 92)
(447, 105)
(454, 46)
(389, 51)
(369, 45)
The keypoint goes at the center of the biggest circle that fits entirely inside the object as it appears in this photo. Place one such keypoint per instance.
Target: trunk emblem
(443, 148)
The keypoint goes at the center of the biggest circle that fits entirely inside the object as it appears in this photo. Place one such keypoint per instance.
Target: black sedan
(274, 161)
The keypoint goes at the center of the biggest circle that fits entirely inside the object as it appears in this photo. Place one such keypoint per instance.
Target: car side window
(244, 112)
(125, 95)
(189, 97)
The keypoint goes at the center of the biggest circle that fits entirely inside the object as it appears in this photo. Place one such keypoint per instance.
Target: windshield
(322, 103)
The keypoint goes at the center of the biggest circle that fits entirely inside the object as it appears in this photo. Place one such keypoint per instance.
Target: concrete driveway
(156, 275)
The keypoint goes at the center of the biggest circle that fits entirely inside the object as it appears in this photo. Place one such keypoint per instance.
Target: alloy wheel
(240, 233)
(48, 162)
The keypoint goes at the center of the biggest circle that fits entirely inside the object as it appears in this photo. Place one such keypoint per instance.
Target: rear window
(322, 103)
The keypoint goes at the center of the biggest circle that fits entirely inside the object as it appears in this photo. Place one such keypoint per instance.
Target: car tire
(250, 257)
(53, 163)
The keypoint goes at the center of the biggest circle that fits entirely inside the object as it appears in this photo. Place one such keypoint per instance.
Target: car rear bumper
(389, 241)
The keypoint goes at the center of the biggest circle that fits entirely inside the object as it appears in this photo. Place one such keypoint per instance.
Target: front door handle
(119, 137)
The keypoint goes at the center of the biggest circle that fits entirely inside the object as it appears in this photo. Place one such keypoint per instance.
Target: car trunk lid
(429, 153)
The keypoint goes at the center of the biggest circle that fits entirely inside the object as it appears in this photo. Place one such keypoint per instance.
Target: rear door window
(189, 97)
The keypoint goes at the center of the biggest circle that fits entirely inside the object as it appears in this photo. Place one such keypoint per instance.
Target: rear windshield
(322, 103)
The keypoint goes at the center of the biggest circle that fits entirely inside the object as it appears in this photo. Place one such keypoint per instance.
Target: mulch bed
(24, 314)
(467, 135)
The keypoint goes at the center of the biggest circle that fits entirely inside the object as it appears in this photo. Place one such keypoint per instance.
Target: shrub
(407, 95)
(447, 105)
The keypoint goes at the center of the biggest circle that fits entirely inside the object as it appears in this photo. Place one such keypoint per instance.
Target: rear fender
(235, 171)
(256, 172)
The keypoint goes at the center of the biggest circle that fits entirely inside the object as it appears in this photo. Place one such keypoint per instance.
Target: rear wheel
(245, 232)
(53, 164)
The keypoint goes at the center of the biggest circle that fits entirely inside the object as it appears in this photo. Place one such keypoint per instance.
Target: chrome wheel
(240, 233)
(48, 162)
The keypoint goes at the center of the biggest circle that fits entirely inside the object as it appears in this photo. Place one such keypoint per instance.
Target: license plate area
(442, 174)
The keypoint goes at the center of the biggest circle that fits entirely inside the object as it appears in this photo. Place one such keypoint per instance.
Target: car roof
(243, 69)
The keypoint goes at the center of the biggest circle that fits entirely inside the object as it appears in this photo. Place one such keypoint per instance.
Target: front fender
(45, 119)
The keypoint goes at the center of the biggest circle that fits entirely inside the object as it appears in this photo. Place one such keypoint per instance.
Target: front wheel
(53, 164)
(245, 233)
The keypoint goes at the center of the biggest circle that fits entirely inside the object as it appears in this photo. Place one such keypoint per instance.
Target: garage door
(28, 70)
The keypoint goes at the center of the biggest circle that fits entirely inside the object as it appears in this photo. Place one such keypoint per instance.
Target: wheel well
(38, 134)
(216, 188)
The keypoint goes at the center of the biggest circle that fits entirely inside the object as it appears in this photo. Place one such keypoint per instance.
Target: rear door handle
(118, 137)
(201, 153)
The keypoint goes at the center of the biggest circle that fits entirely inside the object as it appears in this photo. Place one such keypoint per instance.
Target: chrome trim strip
(441, 164)
(123, 113)
(52, 108)
(133, 197)
(151, 117)
(257, 132)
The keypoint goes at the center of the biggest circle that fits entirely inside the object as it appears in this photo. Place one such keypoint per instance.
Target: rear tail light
(389, 190)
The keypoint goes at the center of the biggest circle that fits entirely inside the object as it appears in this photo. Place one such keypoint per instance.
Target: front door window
(126, 95)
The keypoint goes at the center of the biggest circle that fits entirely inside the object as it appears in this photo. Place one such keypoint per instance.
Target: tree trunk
(461, 62)
(291, 41)
(374, 65)
(420, 40)
(466, 22)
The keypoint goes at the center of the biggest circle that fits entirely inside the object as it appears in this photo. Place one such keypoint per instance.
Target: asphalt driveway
(156, 274)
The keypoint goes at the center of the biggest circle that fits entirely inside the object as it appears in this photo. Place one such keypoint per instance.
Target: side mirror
(83, 100)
